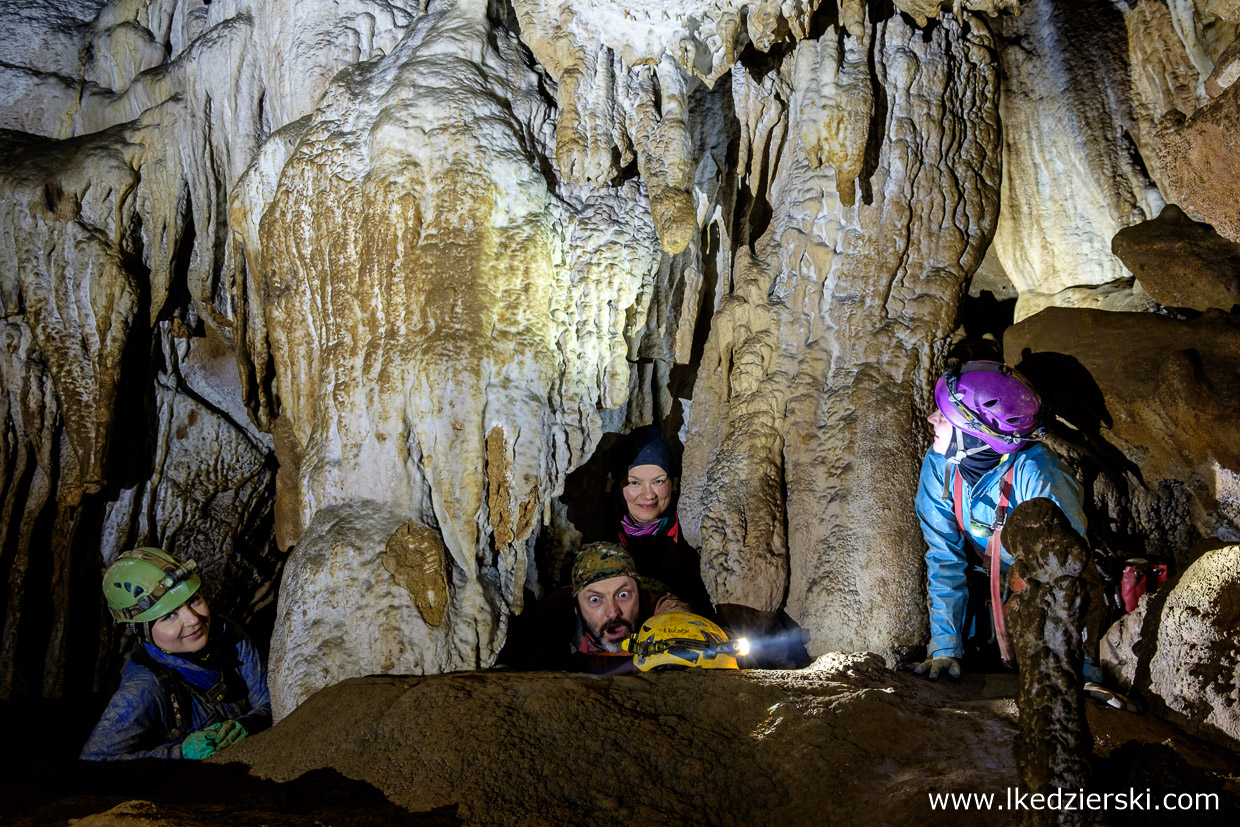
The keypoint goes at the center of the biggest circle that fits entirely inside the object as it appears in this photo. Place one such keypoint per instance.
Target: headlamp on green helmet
(147, 583)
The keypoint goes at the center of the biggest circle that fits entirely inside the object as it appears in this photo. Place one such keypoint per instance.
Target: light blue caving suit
(139, 719)
(1039, 473)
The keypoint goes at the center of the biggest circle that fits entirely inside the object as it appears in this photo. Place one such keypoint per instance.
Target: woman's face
(183, 630)
(647, 492)
(942, 431)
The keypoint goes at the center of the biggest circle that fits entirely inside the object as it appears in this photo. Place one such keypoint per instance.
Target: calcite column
(806, 429)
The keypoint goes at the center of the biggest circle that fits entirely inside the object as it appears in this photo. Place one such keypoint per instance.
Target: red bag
(1140, 577)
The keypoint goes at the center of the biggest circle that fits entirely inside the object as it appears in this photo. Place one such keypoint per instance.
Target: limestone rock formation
(1045, 615)
(135, 120)
(1181, 262)
(1198, 155)
(1152, 400)
(1180, 651)
(803, 356)
(1070, 177)
(446, 355)
(366, 281)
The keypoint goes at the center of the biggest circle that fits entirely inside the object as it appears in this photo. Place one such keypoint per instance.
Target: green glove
(933, 667)
(230, 733)
(205, 742)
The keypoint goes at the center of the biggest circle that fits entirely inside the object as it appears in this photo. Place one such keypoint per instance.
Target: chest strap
(178, 693)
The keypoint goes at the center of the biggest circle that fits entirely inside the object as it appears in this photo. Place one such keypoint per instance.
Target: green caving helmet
(148, 583)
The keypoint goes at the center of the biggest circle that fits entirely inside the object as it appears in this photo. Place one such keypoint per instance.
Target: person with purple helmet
(984, 462)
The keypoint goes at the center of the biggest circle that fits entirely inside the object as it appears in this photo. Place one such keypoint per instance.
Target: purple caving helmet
(990, 401)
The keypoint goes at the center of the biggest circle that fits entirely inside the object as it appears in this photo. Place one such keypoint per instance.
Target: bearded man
(611, 606)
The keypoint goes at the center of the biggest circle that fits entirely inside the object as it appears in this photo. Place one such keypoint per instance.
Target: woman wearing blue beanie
(649, 529)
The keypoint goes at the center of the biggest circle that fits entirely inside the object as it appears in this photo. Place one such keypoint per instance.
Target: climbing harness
(179, 694)
(991, 558)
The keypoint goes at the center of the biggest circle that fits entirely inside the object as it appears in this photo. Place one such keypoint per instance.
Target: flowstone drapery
(441, 360)
(131, 123)
(817, 355)
(364, 282)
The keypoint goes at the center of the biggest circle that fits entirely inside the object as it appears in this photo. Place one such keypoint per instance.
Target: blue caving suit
(139, 720)
(1039, 473)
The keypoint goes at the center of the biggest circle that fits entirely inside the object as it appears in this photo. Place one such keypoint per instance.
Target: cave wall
(337, 296)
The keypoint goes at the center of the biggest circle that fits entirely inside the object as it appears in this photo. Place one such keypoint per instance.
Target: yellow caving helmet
(680, 640)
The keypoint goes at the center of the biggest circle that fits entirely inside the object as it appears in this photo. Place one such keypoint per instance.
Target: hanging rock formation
(364, 282)
(133, 121)
(815, 346)
(1070, 176)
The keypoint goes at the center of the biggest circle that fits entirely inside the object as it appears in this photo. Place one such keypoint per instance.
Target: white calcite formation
(366, 281)
(446, 354)
(794, 487)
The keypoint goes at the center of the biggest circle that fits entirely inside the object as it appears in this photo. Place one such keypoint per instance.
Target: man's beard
(616, 625)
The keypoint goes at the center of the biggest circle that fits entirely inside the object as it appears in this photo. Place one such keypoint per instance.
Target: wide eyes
(597, 600)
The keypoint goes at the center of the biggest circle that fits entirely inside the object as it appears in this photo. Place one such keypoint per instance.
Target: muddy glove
(202, 743)
(230, 732)
(932, 668)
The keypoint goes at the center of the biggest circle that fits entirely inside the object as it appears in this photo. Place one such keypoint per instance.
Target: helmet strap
(143, 631)
(961, 453)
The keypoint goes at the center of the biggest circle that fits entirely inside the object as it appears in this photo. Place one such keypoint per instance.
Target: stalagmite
(813, 361)
(1054, 744)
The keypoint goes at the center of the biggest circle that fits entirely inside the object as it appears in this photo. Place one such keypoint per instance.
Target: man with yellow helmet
(610, 605)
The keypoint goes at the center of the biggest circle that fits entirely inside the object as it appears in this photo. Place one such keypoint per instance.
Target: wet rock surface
(843, 742)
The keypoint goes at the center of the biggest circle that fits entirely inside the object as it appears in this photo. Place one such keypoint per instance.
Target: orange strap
(991, 559)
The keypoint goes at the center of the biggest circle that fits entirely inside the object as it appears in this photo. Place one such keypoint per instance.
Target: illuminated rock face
(447, 357)
(804, 435)
(366, 281)
(1179, 650)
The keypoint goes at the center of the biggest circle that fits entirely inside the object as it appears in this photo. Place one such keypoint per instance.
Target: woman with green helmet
(196, 684)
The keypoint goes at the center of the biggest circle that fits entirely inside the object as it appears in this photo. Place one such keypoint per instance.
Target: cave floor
(845, 741)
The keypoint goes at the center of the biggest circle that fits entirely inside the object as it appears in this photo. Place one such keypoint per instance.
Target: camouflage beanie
(601, 561)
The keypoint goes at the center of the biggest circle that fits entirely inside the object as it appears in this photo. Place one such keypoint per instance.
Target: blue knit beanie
(646, 446)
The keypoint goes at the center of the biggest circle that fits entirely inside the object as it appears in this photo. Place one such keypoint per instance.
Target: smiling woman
(649, 527)
(194, 686)
(183, 630)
